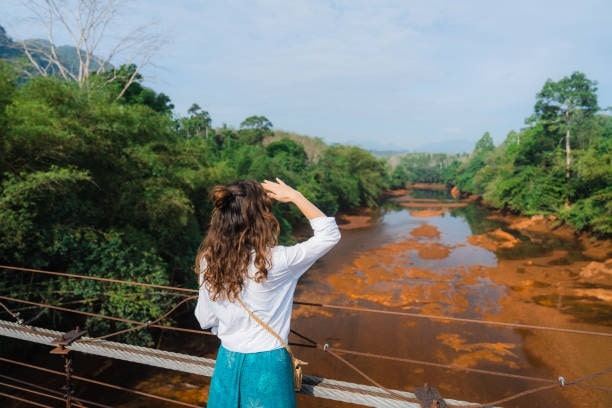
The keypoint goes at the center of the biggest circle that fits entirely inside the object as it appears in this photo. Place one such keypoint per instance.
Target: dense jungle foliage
(119, 188)
(99, 185)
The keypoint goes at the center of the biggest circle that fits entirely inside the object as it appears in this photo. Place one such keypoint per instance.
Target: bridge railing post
(60, 348)
(429, 397)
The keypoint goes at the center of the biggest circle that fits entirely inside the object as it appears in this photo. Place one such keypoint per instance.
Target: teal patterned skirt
(252, 380)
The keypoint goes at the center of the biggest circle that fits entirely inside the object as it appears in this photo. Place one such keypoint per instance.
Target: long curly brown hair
(242, 225)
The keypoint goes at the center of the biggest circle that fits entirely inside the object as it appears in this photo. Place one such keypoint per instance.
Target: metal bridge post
(60, 344)
(429, 397)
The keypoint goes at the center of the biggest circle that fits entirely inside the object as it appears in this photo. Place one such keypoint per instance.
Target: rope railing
(298, 302)
(26, 401)
(28, 384)
(312, 343)
(101, 383)
(318, 387)
(453, 319)
(31, 391)
(551, 382)
(106, 317)
(314, 386)
(544, 388)
(99, 279)
(29, 387)
(443, 366)
(335, 352)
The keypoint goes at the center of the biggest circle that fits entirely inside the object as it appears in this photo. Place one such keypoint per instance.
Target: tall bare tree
(89, 24)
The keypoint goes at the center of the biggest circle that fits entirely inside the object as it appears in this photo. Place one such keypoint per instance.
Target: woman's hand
(280, 191)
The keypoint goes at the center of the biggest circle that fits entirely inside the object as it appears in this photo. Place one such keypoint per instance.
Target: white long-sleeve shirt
(271, 300)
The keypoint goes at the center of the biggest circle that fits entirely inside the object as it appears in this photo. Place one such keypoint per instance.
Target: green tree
(254, 129)
(256, 122)
(592, 208)
(558, 103)
(400, 174)
(8, 87)
(126, 83)
(88, 175)
(426, 168)
(354, 175)
(466, 178)
(525, 174)
(287, 155)
(111, 254)
(203, 118)
(31, 205)
(197, 124)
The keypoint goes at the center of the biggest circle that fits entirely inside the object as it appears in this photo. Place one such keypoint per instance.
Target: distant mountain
(8, 48)
(67, 54)
(455, 146)
(446, 146)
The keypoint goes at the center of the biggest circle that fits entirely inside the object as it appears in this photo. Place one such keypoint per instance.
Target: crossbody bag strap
(265, 326)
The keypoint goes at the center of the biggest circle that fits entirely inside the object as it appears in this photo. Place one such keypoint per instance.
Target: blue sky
(378, 74)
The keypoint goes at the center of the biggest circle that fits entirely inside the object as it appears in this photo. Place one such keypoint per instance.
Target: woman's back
(240, 259)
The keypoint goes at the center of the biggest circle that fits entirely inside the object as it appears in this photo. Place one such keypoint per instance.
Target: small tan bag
(296, 362)
(297, 372)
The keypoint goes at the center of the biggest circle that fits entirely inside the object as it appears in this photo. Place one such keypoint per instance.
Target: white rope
(368, 396)
(136, 354)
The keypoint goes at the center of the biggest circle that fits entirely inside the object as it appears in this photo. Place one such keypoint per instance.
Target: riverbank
(565, 286)
(593, 247)
(596, 271)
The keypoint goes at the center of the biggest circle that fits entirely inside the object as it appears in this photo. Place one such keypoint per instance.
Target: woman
(240, 258)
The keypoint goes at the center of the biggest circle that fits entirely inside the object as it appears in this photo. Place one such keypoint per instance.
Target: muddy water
(459, 263)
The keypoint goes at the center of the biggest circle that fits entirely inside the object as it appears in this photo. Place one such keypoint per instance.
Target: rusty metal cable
(316, 386)
(98, 278)
(118, 319)
(336, 307)
(101, 383)
(453, 319)
(27, 401)
(50, 393)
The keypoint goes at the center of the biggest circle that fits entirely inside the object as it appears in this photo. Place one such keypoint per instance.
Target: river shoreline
(594, 247)
(595, 270)
(549, 289)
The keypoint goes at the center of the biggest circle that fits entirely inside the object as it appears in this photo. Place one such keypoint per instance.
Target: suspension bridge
(373, 395)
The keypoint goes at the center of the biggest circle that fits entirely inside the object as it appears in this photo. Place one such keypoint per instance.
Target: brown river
(449, 271)
(465, 263)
